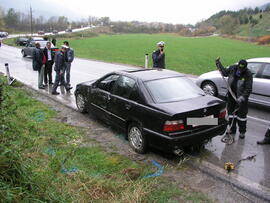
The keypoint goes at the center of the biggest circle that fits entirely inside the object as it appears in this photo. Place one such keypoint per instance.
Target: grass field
(188, 55)
(183, 54)
(45, 160)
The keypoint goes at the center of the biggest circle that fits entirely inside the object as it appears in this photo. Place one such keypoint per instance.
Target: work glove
(218, 63)
(240, 99)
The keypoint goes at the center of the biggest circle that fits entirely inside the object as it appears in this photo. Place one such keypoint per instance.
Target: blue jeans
(67, 72)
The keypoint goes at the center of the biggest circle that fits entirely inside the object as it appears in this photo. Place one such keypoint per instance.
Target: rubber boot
(266, 139)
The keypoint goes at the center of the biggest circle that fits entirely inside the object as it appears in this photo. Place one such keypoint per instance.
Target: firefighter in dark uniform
(158, 56)
(240, 80)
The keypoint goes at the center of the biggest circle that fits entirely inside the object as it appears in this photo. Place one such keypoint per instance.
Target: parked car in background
(69, 30)
(55, 32)
(3, 34)
(156, 108)
(22, 41)
(41, 32)
(213, 84)
(28, 50)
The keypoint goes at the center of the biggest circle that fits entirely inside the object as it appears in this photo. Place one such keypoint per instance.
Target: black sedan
(158, 108)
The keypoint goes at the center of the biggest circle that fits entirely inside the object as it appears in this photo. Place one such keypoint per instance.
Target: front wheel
(209, 88)
(136, 138)
(23, 54)
(80, 103)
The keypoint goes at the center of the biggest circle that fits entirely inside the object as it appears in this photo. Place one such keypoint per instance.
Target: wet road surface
(216, 152)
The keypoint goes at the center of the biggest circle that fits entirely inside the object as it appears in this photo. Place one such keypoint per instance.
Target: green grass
(183, 54)
(36, 149)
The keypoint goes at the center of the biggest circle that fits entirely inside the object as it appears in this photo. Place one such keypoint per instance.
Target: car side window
(134, 95)
(254, 68)
(266, 72)
(124, 86)
(108, 82)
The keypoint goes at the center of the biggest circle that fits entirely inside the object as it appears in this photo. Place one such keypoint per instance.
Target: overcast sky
(169, 11)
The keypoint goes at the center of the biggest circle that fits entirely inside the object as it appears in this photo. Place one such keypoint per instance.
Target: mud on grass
(53, 163)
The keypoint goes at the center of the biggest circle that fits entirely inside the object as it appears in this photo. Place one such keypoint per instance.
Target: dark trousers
(57, 80)
(48, 72)
(239, 117)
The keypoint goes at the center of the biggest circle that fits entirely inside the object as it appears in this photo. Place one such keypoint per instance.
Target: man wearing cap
(158, 56)
(59, 69)
(69, 57)
(240, 81)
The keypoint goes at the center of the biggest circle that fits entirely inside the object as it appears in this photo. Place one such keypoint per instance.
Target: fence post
(146, 61)
(10, 80)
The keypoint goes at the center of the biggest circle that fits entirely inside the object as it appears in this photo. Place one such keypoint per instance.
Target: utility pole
(31, 21)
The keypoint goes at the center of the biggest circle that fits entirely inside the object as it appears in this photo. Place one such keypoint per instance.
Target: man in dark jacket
(240, 81)
(59, 69)
(38, 64)
(49, 55)
(158, 56)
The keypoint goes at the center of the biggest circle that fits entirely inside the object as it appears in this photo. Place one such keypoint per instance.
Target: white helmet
(161, 44)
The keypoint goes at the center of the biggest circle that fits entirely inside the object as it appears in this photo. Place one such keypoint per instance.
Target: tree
(2, 21)
(105, 21)
(228, 24)
(11, 18)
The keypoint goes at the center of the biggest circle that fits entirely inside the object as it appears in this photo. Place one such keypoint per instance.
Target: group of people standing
(43, 61)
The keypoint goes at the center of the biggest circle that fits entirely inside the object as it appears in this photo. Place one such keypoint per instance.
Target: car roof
(260, 60)
(150, 73)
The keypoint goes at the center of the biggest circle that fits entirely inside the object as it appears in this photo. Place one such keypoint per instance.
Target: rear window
(173, 89)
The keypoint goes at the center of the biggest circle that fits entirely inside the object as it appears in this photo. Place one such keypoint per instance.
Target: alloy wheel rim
(209, 89)
(135, 137)
(80, 102)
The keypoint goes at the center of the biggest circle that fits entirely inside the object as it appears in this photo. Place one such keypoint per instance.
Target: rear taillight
(222, 113)
(172, 126)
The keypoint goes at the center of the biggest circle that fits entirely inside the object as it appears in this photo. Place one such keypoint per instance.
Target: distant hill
(263, 7)
(245, 22)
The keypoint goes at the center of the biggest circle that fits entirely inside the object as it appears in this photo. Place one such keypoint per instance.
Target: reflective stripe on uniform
(241, 119)
(232, 116)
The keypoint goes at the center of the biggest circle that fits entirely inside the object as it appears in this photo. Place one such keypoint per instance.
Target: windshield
(173, 89)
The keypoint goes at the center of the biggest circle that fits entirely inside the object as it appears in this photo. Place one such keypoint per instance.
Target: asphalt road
(254, 172)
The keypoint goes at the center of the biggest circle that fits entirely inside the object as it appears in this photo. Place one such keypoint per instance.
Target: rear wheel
(23, 54)
(80, 103)
(136, 138)
(209, 88)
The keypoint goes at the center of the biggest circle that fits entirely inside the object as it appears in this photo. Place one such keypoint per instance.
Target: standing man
(240, 81)
(59, 69)
(54, 42)
(49, 55)
(158, 56)
(38, 64)
(69, 57)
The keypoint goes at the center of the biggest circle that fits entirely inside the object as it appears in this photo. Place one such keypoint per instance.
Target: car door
(100, 96)
(120, 104)
(261, 86)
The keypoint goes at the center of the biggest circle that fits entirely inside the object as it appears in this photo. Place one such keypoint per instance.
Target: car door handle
(128, 106)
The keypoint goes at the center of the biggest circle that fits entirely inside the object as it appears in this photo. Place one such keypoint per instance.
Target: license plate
(207, 120)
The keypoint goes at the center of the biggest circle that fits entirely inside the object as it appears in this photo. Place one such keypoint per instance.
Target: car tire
(136, 138)
(209, 88)
(80, 103)
(23, 54)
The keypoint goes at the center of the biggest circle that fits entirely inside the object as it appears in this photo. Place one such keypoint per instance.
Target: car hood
(87, 83)
(189, 104)
(214, 73)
